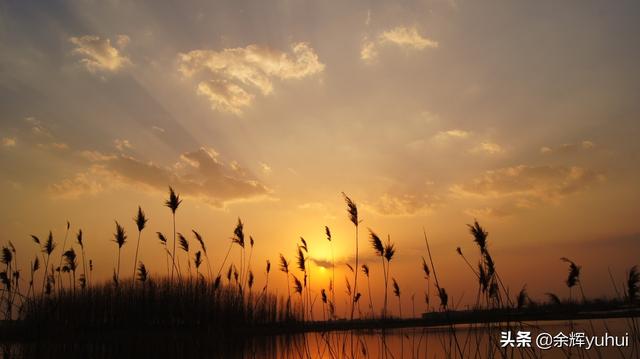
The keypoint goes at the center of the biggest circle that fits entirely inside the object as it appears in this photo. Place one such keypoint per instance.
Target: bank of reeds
(155, 304)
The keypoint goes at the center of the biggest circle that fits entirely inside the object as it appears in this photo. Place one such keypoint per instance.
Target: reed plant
(141, 222)
(173, 202)
(120, 238)
(352, 210)
(80, 241)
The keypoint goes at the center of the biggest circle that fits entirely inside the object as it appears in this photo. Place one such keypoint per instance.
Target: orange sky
(428, 114)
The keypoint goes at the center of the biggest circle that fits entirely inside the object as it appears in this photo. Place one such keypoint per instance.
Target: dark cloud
(198, 173)
(513, 189)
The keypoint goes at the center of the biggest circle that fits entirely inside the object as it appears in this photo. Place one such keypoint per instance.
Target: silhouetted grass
(155, 304)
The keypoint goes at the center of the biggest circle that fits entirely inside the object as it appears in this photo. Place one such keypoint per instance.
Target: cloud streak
(568, 148)
(400, 36)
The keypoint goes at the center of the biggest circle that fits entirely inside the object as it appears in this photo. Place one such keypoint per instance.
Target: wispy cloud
(401, 36)
(82, 184)
(58, 146)
(229, 78)
(404, 204)
(453, 134)
(407, 37)
(98, 55)
(368, 50)
(568, 148)
(37, 127)
(265, 168)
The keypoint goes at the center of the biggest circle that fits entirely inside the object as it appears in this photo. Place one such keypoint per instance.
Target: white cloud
(98, 54)
(230, 76)
(407, 37)
(401, 36)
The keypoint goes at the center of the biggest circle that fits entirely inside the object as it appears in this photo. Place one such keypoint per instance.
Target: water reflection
(474, 341)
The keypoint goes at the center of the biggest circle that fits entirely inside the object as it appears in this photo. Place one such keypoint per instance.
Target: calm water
(476, 341)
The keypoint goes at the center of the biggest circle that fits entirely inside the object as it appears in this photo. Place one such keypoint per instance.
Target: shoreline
(18, 331)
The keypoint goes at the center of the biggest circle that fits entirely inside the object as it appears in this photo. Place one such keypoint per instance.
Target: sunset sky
(428, 114)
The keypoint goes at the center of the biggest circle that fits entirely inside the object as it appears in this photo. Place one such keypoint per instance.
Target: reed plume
(573, 277)
(64, 243)
(323, 297)
(80, 240)
(378, 248)
(197, 260)
(396, 292)
(239, 239)
(141, 222)
(163, 242)
(47, 248)
(553, 298)
(284, 267)
(444, 298)
(143, 274)
(302, 261)
(479, 235)
(71, 263)
(389, 252)
(250, 280)
(120, 238)
(184, 245)
(327, 232)
(352, 210)
(173, 203)
(522, 297)
(297, 285)
(365, 270)
(35, 265)
(204, 250)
